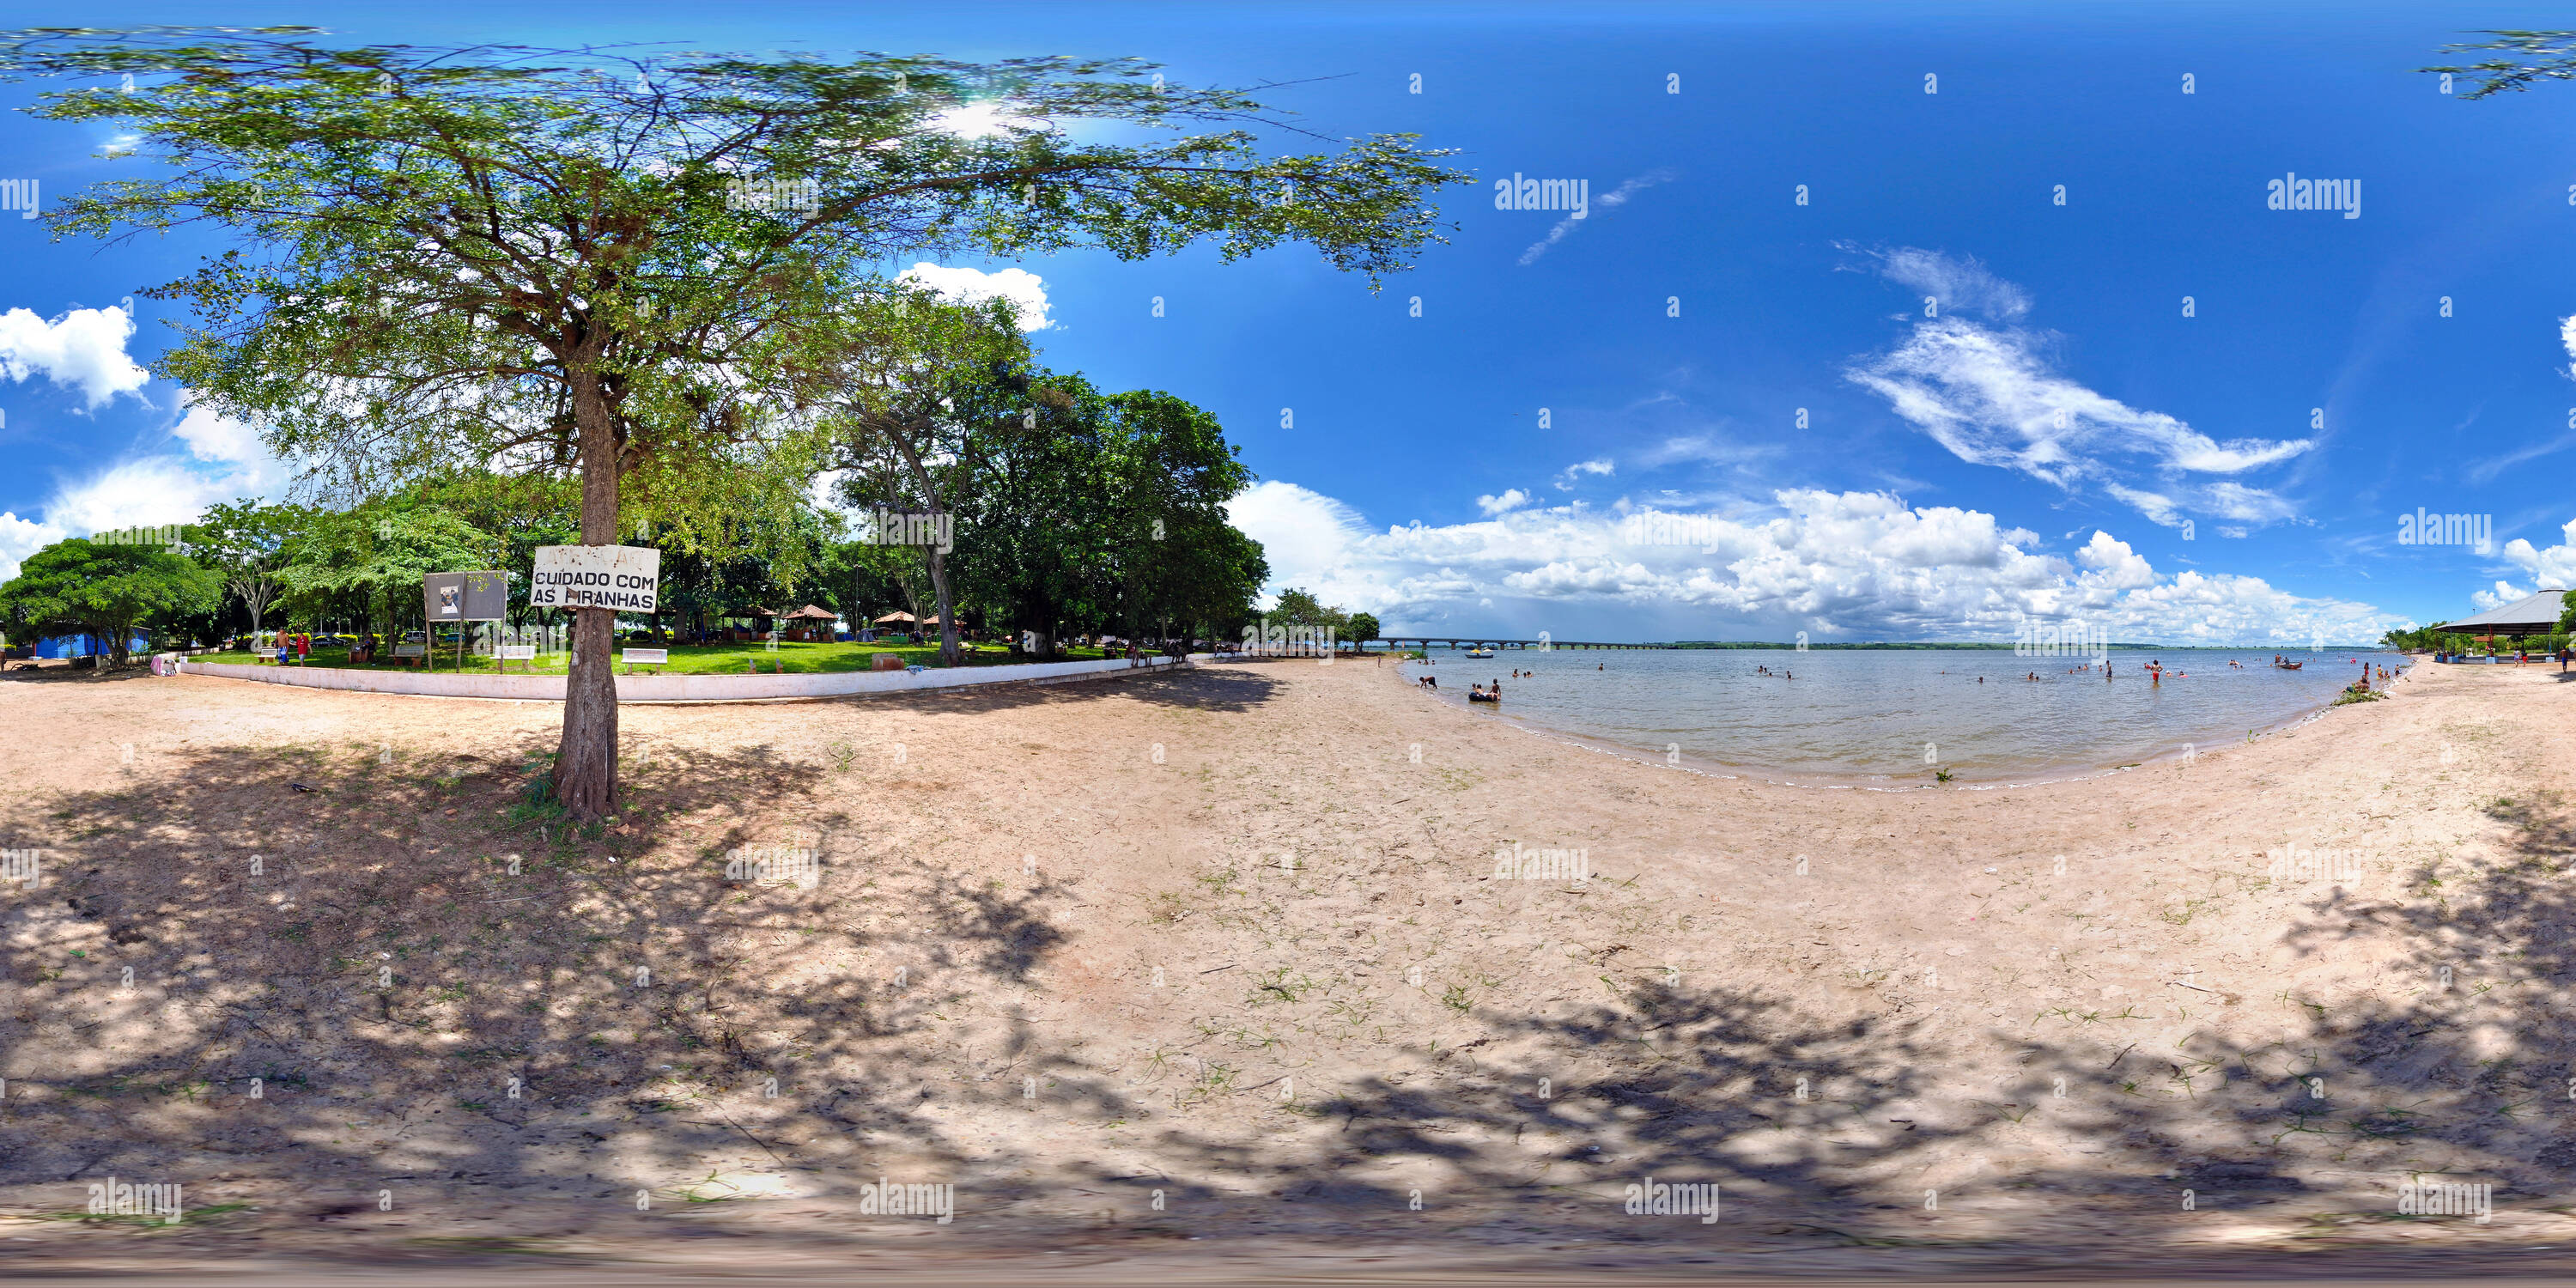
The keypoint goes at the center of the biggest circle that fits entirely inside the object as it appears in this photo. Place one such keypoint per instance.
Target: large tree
(585, 261)
(105, 589)
(894, 382)
(369, 562)
(1097, 510)
(242, 542)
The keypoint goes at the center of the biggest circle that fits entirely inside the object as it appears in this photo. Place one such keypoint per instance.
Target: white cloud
(2156, 506)
(83, 349)
(1850, 565)
(1992, 397)
(1955, 283)
(2553, 567)
(1025, 290)
(20, 538)
(2567, 334)
(1607, 201)
(1565, 479)
(2114, 563)
(2503, 594)
(1512, 499)
(214, 437)
(225, 461)
(1989, 397)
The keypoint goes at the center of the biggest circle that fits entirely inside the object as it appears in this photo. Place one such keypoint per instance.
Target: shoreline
(1713, 769)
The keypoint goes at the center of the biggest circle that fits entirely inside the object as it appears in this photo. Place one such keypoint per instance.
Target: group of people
(1782, 674)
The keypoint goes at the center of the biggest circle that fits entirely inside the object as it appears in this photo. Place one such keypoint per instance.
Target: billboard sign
(465, 596)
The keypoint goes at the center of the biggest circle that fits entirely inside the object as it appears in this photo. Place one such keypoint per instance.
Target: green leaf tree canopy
(1363, 628)
(106, 590)
(1093, 509)
(372, 559)
(242, 541)
(588, 261)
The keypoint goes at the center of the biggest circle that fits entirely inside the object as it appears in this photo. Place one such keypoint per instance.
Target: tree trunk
(947, 606)
(586, 761)
(938, 558)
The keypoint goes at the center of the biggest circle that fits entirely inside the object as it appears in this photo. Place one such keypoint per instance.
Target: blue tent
(85, 646)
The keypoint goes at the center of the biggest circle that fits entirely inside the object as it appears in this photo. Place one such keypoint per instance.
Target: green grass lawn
(708, 659)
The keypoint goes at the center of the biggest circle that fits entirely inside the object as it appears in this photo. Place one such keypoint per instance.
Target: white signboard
(648, 656)
(518, 652)
(626, 578)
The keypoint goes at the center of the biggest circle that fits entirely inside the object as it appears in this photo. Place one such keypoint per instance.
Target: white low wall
(670, 688)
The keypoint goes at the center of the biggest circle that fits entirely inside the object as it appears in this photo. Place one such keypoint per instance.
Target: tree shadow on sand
(320, 962)
(388, 979)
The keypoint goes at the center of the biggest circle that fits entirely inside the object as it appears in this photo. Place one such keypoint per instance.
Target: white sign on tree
(625, 578)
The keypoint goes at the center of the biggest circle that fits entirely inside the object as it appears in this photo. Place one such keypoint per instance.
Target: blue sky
(2034, 450)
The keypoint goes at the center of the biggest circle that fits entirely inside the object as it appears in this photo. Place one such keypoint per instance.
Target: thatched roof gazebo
(818, 618)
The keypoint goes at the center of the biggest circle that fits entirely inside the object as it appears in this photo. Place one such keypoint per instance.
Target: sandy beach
(1170, 969)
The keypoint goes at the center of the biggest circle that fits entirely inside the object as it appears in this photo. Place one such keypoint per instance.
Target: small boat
(1480, 652)
(1484, 697)
(2289, 666)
